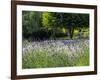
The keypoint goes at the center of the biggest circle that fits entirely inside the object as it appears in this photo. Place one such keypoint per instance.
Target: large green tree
(69, 21)
(31, 22)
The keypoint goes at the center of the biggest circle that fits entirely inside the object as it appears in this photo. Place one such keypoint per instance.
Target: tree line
(45, 25)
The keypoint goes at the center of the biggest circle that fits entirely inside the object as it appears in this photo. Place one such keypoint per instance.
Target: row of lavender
(55, 53)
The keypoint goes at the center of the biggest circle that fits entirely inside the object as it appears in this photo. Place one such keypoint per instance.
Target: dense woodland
(53, 25)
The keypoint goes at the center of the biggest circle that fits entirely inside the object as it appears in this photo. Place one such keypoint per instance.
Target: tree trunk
(71, 32)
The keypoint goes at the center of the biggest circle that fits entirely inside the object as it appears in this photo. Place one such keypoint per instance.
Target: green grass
(41, 59)
(84, 59)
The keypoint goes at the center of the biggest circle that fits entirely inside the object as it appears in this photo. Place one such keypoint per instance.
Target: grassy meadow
(56, 53)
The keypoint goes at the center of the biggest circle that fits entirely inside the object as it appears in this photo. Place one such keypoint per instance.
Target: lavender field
(55, 39)
(55, 53)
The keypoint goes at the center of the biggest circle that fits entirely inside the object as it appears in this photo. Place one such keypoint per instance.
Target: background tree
(69, 21)
(31, 22)
(52, 24)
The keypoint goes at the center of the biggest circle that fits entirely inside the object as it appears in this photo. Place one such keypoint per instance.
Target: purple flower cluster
(68, 47)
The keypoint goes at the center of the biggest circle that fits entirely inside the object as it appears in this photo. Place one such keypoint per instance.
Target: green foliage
(43, 59)
(31, 22)
(84, 59)
(34, 22)
(48, 20)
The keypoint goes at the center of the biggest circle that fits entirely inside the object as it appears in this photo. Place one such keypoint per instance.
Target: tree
(70, 21)
(49, 22)
(31, 22)
(74, 20)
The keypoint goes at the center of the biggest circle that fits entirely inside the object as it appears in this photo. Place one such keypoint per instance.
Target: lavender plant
(55, 53)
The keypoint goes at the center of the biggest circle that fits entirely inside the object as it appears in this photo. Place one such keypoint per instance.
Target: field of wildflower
(55, 53)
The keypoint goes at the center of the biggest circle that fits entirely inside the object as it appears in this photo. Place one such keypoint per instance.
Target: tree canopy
(50, 24)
